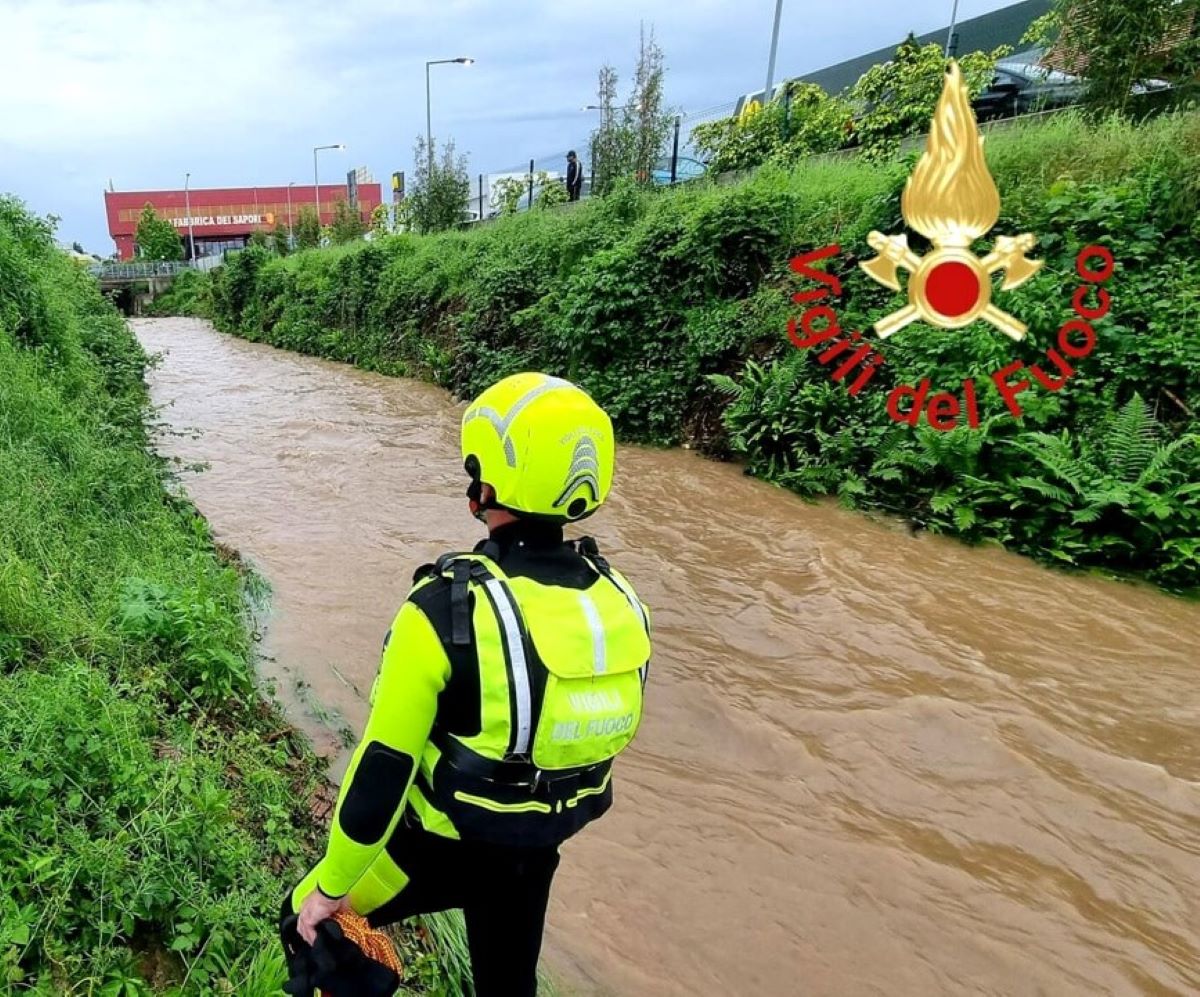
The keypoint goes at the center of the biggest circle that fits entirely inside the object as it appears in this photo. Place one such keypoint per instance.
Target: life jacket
(561, 678)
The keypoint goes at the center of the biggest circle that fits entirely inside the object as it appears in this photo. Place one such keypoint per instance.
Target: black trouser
(503, 894)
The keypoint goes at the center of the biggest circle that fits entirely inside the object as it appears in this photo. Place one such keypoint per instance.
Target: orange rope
(374, 943)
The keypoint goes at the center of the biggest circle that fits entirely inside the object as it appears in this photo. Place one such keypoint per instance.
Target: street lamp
(771, 59)
(317, 181)
(291, 223)
(461, 60)
(187, 201)
(951, 41)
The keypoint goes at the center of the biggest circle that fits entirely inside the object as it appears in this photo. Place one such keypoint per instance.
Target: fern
(1163, 458)
(726, 385)
(1057, 455)
(1129, 441)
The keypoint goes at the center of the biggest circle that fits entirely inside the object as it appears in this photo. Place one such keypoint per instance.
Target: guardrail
(134, 271)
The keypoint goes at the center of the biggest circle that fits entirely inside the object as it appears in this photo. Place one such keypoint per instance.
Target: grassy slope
(147, 820)
(641, 296)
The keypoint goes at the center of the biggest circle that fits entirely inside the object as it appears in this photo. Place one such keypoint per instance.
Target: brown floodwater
(872, 762)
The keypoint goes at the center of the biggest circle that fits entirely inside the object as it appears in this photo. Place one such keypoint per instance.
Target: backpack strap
(519, 657)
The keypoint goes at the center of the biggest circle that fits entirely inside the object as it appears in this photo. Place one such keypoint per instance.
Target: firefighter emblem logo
(952, 200)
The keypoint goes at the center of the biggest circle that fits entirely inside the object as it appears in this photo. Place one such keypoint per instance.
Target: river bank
(672, 309)
(152, 805)
(865, 765)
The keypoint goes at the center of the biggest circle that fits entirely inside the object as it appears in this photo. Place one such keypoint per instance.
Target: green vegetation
(157, 238)
(308, 228)
(146, 823)
(1124, 43)
(439, 189)
(642, 295)
(189, 293)
(890, 101)
(632, 132)
(153, 808)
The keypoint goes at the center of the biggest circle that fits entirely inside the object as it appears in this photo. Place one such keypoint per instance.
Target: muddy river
(872, 763)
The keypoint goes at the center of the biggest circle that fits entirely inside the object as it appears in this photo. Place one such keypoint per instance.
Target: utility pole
(771, 60)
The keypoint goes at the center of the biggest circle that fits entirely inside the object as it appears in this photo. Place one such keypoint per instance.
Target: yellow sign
(952, 200)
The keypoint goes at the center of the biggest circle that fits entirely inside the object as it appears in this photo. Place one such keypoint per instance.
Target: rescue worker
(510, 679)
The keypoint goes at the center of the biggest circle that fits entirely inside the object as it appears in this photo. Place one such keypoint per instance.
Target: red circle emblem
(952, 289)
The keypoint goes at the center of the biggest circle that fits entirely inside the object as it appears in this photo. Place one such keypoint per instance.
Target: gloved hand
(334, 964)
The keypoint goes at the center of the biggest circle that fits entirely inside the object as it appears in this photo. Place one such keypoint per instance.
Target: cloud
(238, 93)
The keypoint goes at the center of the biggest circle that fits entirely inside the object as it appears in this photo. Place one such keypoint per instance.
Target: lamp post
(462, 60)
(291, 223)
(187, 201)
(950, 43)
(317, 181)
(771, 59)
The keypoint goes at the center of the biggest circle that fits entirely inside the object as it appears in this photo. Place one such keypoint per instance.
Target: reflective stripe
(522, 693)
(629, 594)
(529, 806)
(599, 653)
(636, 603)
(595, 791)
(501, 423)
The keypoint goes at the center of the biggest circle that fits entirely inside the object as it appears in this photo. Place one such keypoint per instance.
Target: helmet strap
(476, 504)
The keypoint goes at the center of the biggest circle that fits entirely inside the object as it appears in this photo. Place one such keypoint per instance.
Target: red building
(224, 218)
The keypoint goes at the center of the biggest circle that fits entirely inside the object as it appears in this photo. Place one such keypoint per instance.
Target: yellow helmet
(542, 444)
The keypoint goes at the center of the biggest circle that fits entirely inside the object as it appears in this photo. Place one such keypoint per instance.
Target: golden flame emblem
(952, 200)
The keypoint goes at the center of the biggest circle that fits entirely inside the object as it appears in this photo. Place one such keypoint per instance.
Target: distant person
(574, 176)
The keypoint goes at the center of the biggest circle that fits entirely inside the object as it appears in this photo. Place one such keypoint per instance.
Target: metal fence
(140, 270)
(679, 163)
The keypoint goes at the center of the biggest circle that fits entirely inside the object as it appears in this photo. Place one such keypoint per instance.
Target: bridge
(112, 274)
(123, 278)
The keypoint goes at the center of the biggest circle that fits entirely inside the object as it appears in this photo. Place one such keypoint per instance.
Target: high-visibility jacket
(511, 678)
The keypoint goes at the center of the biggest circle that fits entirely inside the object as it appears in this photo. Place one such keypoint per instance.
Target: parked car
(686, 168)
(1019, 88)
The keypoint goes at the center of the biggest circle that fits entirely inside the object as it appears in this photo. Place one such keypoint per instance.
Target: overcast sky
(238, 93)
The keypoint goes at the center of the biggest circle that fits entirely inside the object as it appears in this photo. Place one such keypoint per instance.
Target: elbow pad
(375, 793)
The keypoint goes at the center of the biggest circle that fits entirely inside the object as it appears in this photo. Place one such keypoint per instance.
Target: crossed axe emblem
(945, 264)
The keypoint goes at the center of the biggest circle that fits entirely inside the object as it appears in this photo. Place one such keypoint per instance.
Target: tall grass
(147, 825)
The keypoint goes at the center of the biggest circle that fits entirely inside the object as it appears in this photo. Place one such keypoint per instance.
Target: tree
(440, 189)
(280, 239)
(347, 224)
(550, 191)
(379, 221)
(308, 229)
(650, 123)
(631, 137)
(508, 191)
(1116, 44)
(157, 238)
